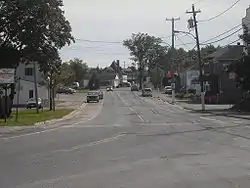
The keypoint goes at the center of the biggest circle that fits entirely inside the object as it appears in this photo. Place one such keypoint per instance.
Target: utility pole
(157, 72)
(193, 23)
(35, 85)
(172, 20)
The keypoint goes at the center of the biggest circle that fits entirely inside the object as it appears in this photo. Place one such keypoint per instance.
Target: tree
(79, 69)
(33, 30)
(73, 71)
(242, 67)
(144, 50)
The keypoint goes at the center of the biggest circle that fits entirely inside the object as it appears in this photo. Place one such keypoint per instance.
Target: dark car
(100, 94)
(134, 88)
(65, 90)
(93, 96)
(147, 92)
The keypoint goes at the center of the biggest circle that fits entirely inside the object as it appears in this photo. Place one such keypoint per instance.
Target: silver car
(147, 92)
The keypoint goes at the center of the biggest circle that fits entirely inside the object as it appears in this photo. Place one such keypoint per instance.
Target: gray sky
(115, 20)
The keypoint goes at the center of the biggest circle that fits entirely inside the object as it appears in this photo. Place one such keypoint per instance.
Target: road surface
(130, 142)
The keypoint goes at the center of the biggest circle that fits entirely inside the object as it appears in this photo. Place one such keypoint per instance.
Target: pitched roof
(232, 52)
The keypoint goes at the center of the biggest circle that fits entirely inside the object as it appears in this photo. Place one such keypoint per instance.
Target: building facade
(25, 87)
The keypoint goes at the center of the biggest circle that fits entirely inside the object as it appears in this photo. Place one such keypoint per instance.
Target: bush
(180, 95)
(189, 95)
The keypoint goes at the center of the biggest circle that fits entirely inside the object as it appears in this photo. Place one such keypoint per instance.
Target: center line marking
(106, 140)
(130, 108)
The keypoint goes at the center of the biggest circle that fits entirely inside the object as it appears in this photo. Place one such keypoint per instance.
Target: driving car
(134, 88)
(93, 96)
(100, 94)
(31, 103)
(168, 90)
(147, 92)
(110, 88)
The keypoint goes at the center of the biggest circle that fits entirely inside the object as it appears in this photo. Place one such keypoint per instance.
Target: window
(31, 94)
(28, 71)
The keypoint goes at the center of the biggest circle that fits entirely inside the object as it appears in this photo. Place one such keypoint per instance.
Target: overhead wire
(220, 14)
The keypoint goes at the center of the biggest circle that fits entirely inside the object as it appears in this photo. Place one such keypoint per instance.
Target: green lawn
(83, 91)
(30, 117)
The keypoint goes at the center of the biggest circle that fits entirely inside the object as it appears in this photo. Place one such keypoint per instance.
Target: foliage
(146, 50)
(35, 28)
(242, 67)
(72, 71)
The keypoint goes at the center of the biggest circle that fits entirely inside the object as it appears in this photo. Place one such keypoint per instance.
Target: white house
(26, 89)
(246, 20)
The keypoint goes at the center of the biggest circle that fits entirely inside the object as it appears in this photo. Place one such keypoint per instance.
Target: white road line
(211, 119)
(31, 134)
(130, 108)
(106, 140)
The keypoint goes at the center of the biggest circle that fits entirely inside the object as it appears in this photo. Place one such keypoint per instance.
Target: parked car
(31, 103)
(65, 90)
(93, 96)
(134, 88)
(168, 90)
(110, 88)
(147, 92)
(100, 94)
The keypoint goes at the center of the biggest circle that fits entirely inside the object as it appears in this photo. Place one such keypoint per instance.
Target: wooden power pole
(193, 24)
(172, 20)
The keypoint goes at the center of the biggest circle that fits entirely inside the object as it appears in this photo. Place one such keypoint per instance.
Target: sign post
(7, 76)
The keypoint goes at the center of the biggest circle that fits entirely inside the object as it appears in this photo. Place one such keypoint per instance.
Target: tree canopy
(34, 28)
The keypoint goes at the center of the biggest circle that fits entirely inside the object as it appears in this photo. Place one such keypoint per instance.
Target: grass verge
(30, 117)
(83, 91)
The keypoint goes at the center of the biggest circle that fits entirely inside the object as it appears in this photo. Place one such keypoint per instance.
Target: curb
(68, 116)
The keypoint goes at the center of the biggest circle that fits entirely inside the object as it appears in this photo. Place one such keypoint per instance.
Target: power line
(223, 33)
(231, 43)
(220, 14)
(99, 41)
(182, 42)
(224, 37)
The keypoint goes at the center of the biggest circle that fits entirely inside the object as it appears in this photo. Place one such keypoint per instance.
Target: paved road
(130, 142)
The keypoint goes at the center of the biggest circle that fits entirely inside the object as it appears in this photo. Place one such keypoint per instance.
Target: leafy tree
(73, 71)
(144, 50)
(242, 67)
(33, 30)
(79, 69)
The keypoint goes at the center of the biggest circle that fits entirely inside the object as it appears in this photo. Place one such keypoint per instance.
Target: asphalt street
(128, 141)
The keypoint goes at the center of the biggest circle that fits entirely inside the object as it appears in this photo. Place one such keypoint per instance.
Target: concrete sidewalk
(215, 109)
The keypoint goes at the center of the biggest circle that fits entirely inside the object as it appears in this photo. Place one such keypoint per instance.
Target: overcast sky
(113, 21)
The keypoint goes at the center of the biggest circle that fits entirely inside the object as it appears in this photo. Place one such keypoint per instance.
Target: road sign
(7, 76)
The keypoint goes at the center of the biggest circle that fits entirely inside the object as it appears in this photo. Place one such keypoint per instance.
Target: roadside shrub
(189, 95)
(180, 95)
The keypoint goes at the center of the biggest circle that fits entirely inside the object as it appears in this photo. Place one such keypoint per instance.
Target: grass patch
(83, 91)
(60, 102)
(30, 117)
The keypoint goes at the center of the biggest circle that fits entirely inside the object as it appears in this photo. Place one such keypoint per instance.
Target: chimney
(238, 43)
